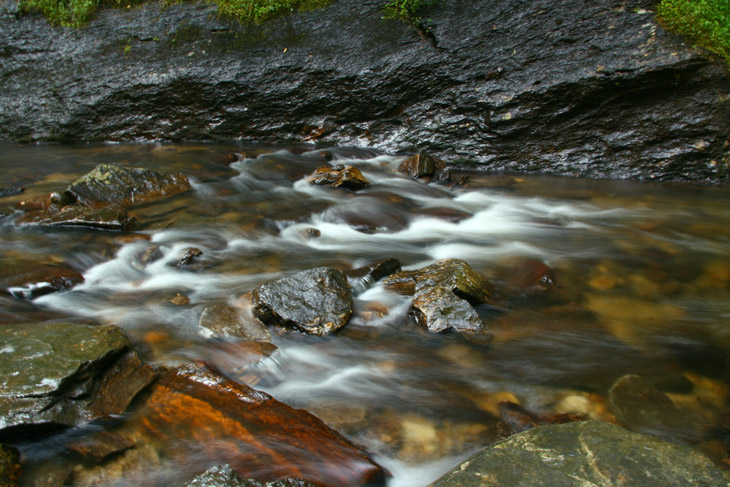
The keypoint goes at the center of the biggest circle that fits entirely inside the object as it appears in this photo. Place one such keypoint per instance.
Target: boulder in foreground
(590, 453)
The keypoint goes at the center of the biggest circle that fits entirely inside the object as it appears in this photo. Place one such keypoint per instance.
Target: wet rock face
(257, 435)
(576, 88)
(316, 301)
(585, 453)
(69, 374)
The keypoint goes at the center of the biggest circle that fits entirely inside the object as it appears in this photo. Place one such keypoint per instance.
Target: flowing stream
(642, 272)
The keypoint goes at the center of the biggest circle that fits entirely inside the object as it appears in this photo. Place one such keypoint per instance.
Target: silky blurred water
(643, 273)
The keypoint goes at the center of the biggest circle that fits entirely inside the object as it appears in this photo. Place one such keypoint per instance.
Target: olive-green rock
(48, 370)
(109, 184)
(454, 275)
(585, 454)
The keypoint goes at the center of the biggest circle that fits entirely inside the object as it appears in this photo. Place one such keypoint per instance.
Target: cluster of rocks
(75, 374)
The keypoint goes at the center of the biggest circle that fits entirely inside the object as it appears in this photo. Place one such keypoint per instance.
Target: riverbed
(640, 284)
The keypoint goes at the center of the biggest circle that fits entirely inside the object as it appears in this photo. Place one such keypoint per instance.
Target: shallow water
(643, 272)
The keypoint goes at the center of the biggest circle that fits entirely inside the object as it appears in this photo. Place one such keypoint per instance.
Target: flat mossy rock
(316, 301)
(108, 184)
(590, 453)
(50, 372)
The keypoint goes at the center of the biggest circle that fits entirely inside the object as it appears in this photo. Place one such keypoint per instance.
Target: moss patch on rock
(704, 22)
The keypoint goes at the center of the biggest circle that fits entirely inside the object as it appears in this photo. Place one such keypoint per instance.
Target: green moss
(704, 22)
(76, 13)
(408, 10)
(258, 11)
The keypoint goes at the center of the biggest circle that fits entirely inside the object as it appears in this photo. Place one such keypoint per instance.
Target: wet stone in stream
(316, 301)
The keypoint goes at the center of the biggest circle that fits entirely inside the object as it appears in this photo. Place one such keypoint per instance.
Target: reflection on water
(643, 273)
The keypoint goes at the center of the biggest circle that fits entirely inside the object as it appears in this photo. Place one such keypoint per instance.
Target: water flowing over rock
(316, 301)
(220, 320)
(585, 453)
(28, 281)
(225, 476)
(260, 437)
(69, 374)
(574, 88)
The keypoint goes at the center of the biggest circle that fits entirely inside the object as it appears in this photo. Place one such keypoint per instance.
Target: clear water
(643, 273)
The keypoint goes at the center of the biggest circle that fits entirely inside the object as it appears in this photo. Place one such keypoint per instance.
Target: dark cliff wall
(575, 87)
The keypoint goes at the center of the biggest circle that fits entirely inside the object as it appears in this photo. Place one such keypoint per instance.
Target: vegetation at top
(407, 10)
(704, 22)
(76, 13)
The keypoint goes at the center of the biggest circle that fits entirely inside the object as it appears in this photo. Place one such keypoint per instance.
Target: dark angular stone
(221, 320)
(340, 176)
(424, 165)
(316, 301)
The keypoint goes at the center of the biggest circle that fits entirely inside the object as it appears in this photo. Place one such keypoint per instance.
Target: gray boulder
(316, 301)
(585, 454)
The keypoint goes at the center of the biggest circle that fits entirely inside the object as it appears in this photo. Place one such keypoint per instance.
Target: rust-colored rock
(530, 278)
(260, 437)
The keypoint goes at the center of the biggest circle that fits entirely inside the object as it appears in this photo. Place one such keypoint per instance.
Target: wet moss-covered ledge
(591, 90)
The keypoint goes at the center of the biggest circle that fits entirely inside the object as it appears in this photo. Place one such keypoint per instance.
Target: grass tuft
(76, 13)
(407, 10)
(704, 22)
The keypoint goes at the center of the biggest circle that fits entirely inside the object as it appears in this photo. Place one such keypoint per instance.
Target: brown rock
(531, 277)
(424, 165)
(119, 384)
(221, 320)
(10, 469)
(340, 176)
(29, 283)
(257, 435)
(97, 447)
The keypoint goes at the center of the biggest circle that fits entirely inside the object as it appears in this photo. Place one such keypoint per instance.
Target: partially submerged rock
(257, 435)
(444, 294)
(110, 184)
(424, 165)
(316, 301)
(222, 320)
(69, 374)
(585, 453)
(455, 275)
(27, 281)
(99, 198)
(225, 476)
(641, 407)
(340, 176)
